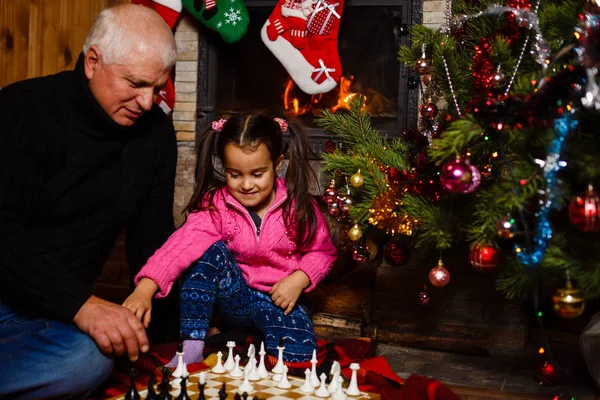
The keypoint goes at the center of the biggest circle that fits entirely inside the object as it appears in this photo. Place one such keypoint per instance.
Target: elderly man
(84, 154)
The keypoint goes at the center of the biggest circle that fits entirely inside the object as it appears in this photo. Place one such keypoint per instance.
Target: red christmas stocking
(303, 37)
(169, 10)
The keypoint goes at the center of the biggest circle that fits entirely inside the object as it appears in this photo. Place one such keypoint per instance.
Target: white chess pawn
(219, 368)
(246, 386)
(283, 382)
(251, 370)
(236, 372)
(314, 378)
(181, 370)
(230, 363)
(322, 390)
(278, 368)
(306, 386)
(339, 393)
(335, 372)
(262, 370)
(353, 386)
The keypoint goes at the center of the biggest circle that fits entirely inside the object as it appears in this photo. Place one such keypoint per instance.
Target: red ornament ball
(439, 276)
(547, 374)
(360, 254)
(429, 110)
(330, 146)
(423, 296)
(484, 257)
(334, 209)
(423, 65)
(460, 176)
(584, 211)
(330, 194)
(395, 254)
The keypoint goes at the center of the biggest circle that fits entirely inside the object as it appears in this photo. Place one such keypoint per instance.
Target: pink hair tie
(282, 124)
(218, 125)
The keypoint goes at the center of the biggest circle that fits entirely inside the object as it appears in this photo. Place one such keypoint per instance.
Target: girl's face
(250, 176)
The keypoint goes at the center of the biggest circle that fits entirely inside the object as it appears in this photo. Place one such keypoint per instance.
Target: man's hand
(140, 301)
(285, 293)
(113, 327)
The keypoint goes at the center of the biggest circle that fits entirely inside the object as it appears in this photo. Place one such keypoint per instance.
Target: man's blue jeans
(47, 359)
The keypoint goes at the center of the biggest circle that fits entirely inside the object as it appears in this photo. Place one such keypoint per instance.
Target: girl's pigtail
(207, 177)
(300, 209)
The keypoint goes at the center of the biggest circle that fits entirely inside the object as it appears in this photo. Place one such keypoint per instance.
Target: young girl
(252, 243)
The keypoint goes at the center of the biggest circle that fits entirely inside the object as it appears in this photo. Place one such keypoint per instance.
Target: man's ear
(91, 61)
(278, 164)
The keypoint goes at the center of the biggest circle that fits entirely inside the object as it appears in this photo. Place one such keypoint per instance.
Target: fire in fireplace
(247, 77)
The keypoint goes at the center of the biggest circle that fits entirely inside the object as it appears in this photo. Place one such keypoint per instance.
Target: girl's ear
(278, 164)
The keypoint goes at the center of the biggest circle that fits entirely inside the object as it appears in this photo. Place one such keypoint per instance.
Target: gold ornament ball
(371, 248)
(567, 302)
(357, 180)
(355, 233)
(423, 65)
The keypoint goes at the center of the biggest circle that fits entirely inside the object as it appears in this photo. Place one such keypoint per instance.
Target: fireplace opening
(246, 76)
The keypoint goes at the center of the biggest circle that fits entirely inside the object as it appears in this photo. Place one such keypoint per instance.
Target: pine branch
(435, 226)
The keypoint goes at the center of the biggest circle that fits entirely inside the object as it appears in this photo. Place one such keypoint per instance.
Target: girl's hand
(286, 292)
(140, 301)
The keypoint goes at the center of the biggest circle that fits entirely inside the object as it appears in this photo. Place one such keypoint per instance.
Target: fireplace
(246, 77)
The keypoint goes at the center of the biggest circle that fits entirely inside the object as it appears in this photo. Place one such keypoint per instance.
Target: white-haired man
(84, 154)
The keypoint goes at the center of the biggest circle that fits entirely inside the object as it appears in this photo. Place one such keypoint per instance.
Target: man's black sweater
(71, 180)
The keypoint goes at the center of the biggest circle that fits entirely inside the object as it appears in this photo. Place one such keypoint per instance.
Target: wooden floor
(469, 393)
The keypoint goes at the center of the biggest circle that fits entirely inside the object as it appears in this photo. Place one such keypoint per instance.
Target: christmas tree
(505, 155)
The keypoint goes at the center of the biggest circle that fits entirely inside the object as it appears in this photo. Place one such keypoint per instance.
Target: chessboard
(265, 389)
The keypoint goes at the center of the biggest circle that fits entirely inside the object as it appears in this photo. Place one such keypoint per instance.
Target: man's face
(126, 90)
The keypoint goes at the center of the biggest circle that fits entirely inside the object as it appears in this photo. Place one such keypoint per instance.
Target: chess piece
(306, 386)
(132, 393)
(181, 370)
(246, 386)
(223, 392)
(339, 392)
(314, 378)
(236, 372)
(201, 385)
(183, 395)
(237, 397)
(284, 383)
(322, 390)
(164, 386)
(244, 396)
(250, 369)
(335, 380)
(151, 393)
(229, 363)
(353, 387)
(262, 370)
(219, 368)
(278, 368)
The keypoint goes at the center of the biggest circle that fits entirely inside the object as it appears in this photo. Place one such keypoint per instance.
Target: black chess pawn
(223, 392)
(132, 393)
(152, 395)
(183, 395)
(201, 391)
(245, 396)
(255, 398)
(237, 397)
(165, 386)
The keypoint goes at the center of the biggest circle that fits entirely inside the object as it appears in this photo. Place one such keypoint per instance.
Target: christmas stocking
(229, 18)
(169, 10)
(302, 34)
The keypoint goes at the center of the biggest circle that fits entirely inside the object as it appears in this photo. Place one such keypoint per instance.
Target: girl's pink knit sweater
(263, 259)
